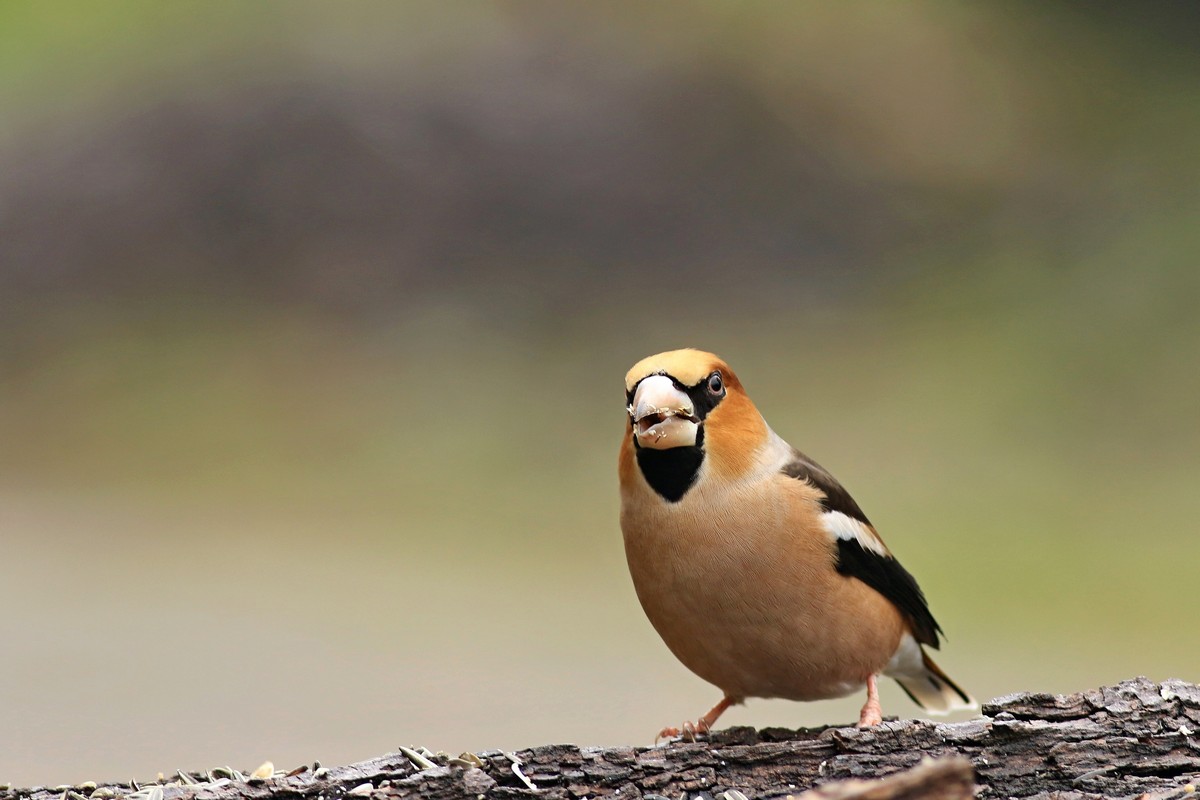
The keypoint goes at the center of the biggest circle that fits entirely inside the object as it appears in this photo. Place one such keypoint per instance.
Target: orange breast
(741, 584)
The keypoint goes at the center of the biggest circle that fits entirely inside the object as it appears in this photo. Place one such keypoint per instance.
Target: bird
(757, 568)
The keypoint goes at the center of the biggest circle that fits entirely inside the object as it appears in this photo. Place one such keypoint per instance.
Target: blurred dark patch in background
(566, 154)
(313, 319)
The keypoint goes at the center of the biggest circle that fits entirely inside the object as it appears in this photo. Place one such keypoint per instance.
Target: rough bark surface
(1139, 738)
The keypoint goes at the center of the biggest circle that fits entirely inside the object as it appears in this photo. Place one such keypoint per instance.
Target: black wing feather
(885, 575)
(882, 573)
(837, 498)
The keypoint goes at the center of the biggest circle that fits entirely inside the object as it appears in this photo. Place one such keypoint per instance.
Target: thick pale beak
(663, 417)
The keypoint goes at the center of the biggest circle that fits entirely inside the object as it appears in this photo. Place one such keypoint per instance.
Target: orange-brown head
(688, 416)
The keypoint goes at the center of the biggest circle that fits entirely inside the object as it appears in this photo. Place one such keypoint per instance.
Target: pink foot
(689, 731)
(872, 713)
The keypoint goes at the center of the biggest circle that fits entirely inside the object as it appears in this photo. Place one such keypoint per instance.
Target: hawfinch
(755, 566)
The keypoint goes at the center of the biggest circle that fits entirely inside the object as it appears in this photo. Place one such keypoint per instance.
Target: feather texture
(758, 569)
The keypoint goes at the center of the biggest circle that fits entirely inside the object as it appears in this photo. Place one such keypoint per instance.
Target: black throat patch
(671, 472)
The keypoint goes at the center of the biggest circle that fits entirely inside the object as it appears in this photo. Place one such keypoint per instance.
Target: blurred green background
(314, 318)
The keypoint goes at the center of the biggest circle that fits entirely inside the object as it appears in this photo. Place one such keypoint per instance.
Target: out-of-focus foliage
(313, 319)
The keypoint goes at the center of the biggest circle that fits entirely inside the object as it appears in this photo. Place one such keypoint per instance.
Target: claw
(688, 732)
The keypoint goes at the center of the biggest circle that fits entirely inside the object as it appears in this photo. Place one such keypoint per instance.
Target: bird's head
(687, 409)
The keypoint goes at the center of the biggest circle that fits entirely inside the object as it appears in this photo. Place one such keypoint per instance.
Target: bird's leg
(708, 720)
(689, 731)
(872, 713)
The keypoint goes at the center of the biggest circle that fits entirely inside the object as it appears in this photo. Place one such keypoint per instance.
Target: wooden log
(1138, 739)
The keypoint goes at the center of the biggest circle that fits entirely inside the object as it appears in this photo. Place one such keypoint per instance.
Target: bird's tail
(932, 689)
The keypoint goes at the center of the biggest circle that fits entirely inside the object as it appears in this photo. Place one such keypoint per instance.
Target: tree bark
(1137, 739)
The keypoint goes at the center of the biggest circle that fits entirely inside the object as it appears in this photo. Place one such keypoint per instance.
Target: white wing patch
(840, 526)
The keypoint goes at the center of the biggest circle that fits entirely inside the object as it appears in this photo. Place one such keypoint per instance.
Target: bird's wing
(860, 552)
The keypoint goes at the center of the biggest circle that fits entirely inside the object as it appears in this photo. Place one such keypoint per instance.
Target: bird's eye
(715, 384)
